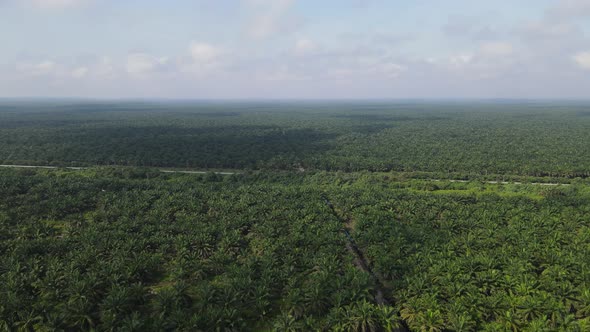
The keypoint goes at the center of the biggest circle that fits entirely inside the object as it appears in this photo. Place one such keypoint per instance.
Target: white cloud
(566, 9)
(79, 72)
(284, 73)
(305, 47)
(548, 30)
(488, 60)
(470, 27)
(203, 59)
(378, 71)
(270, 17)
(487, 55)
(204, 53)
(104, 67)
(56, 3)
(459, 60)
(140, 64)
(496, 49)
(46, 67)
(363, 66)
(392, 69)
(582, 59)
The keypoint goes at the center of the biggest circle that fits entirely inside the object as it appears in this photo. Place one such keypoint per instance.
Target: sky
(295, 49)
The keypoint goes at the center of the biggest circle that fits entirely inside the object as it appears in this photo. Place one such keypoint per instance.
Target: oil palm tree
(285, 322)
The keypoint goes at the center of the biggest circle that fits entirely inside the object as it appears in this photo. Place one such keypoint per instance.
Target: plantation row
(475, 139)
(130, 249)
(478, 261)
(111, 250)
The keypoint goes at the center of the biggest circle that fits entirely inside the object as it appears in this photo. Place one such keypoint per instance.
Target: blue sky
(207, 49)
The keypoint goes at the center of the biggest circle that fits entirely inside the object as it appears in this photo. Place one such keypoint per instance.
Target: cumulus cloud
(140, 64)
(362, 64)
(496, 48)
(548, 31)
(284, 73)
(56, 3)
(392, 70)
(203, 59)
(549, 42)
(487, 54)
(103, 68)
(204, 53)
(469, 27)
(457, 60)
(491, 59)
(567, 9)
(270, 17)
(305, 46)
(582, 59)
(308, 61)
(79, 72)
(378, 70)
(473, 48)
(45, 67)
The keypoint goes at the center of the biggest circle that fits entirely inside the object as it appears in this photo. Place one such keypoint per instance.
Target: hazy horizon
(295, 49)
(294, 99)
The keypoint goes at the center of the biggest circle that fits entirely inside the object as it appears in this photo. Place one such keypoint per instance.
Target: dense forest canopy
(133, 249)
(380, 216)
(511, 138)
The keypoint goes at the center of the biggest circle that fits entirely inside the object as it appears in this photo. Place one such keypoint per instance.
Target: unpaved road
(505, 182)
(232, 173)
(82, 168)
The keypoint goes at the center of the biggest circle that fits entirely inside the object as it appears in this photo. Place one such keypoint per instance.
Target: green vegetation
(480, 260)
(358, 217)
(467, 138)
(109, 250)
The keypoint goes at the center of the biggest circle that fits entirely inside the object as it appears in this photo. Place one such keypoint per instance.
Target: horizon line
(196, 100)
